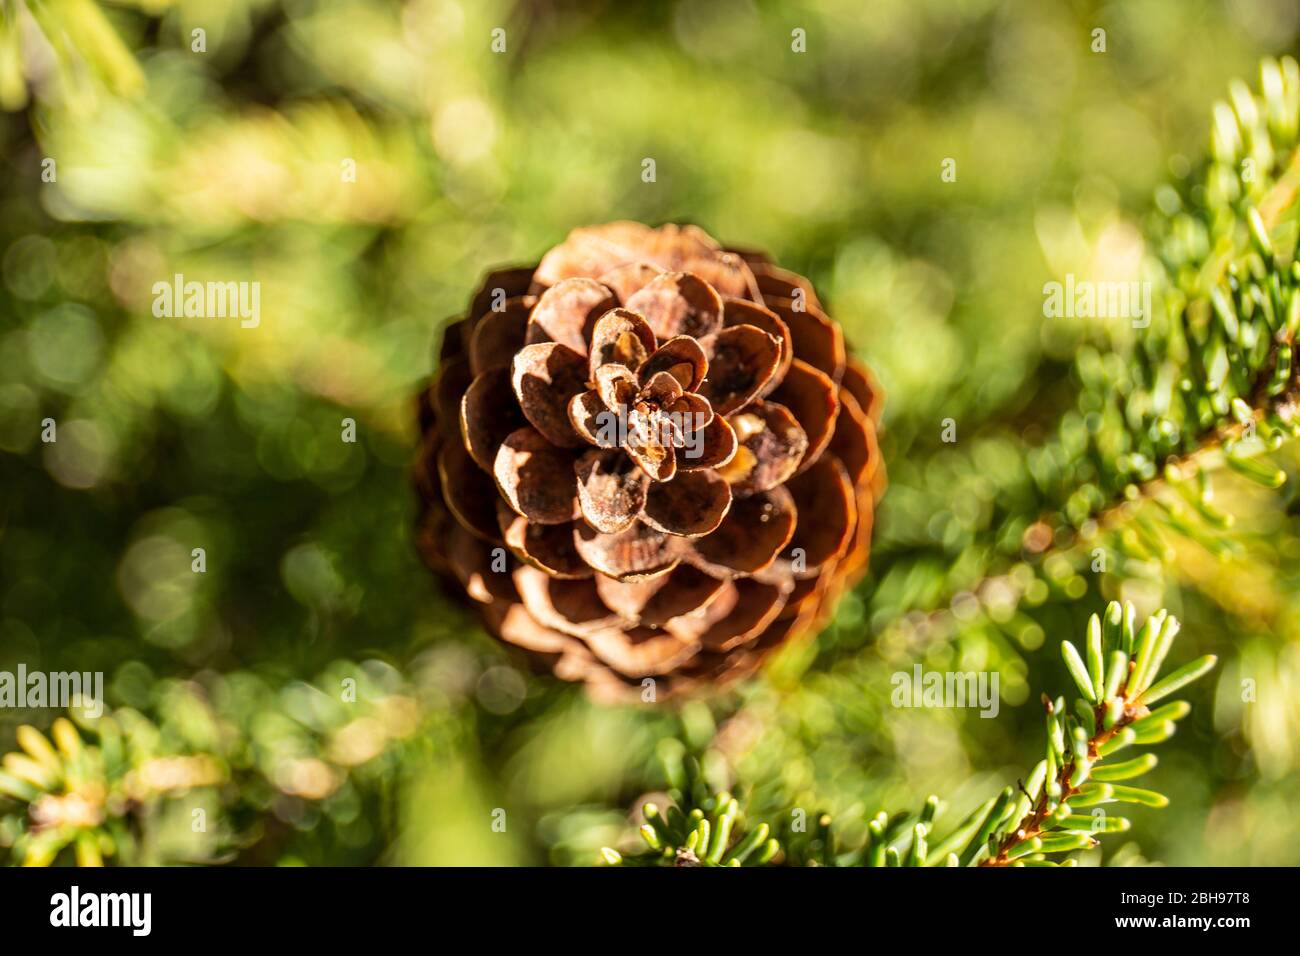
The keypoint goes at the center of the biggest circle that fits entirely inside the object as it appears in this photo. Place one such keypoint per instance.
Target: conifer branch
(1211, 384)
(1117, 687)
(97, 789)
(700, 827)
(1116, 676)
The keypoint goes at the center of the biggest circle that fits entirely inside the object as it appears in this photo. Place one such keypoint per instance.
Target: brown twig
(1031, 825)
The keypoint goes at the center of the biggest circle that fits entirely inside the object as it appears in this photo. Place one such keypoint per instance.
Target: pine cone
(648, 457)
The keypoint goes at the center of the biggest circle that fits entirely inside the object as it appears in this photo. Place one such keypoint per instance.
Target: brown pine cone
(648, 457)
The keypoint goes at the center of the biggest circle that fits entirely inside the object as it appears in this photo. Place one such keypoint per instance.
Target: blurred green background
(173, 434)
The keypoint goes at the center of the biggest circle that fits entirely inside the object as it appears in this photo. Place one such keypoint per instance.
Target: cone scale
(648, 457)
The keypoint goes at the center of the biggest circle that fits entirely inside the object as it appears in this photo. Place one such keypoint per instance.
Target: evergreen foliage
(1058, 808)
(1150, 461)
